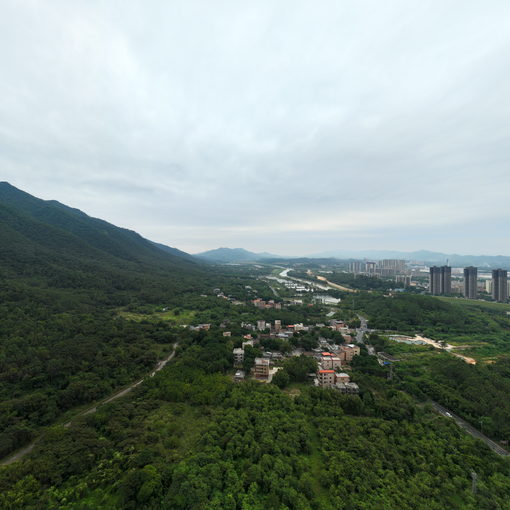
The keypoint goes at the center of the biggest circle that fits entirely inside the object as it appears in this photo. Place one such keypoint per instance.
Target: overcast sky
(293, 127)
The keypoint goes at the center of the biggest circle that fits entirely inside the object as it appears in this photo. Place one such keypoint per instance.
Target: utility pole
(474, 479)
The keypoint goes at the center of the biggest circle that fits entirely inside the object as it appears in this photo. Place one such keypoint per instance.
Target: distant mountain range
(240, 255)
(422, 256)
(234, 255)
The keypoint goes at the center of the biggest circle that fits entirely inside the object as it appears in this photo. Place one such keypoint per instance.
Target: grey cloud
(249, 123)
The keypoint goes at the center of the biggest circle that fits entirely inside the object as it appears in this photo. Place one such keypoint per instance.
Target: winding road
(118, 394)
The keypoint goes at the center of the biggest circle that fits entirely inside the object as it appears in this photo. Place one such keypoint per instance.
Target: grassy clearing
(293, 390)
(175, 429)
(177, 317)
(474, 303)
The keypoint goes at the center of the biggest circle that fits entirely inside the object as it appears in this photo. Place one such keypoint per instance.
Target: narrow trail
(118, 394)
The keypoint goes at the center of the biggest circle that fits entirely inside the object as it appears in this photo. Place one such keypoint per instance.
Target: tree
(281, 378)
(250, 353)
(298, 367)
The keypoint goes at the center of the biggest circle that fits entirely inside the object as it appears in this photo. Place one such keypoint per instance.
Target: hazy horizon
(290, 127)
(353, 251)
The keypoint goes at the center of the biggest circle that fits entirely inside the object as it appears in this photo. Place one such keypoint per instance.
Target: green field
(475, 303)
(181, 317)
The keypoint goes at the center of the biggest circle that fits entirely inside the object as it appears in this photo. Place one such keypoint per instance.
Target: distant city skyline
(288, 127)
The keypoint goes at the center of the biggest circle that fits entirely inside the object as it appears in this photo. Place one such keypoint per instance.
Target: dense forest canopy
(192, 439)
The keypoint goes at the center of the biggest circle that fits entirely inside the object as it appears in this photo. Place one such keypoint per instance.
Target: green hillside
(69, 230)
(57, 246)
(63, 276)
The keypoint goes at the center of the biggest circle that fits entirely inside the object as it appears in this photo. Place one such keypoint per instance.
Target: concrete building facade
(261, 368)
(326, 378)
(331, 362)
(356, 266)
(440, 280)
(261, 325)
(500, 285)
(238, 356)
(347, 352)
(471, 282)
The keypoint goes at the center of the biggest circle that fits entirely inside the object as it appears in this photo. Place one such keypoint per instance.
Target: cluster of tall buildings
(441, 282)
(386, 267)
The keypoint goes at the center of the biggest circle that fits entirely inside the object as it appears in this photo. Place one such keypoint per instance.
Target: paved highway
(274, 291)
(361, 330)
(495, 447)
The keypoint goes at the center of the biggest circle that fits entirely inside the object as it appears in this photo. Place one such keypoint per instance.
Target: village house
(261, 368)
(349, 388)
(348, 351)
(326, 378)
(239, 376)
(330, 362)
(261, 325)
(249, 342)
(343, 377)
(238, 356)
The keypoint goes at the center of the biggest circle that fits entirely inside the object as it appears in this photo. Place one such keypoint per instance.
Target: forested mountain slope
(63, 277)
(53, 245)
(29, 224)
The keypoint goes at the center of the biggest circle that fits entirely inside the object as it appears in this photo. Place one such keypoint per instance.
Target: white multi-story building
(238, 356)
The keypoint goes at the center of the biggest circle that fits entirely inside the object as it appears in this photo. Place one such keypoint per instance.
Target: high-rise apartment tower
(499, 285)
(471, 282)
(440, 280)
(356, 266)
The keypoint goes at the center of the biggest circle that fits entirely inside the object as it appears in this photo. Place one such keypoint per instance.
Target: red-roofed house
(327, 378)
